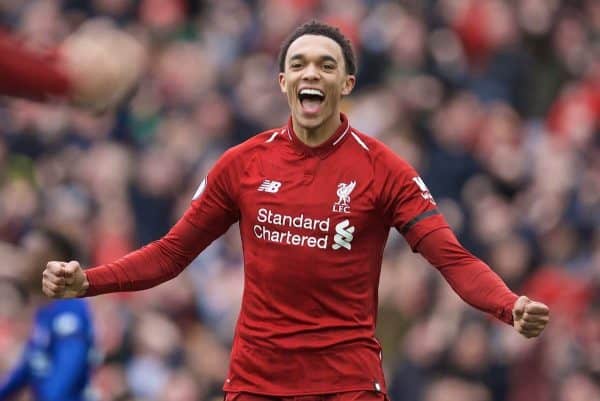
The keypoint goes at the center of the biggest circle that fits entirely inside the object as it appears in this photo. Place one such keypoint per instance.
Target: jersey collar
(326, 147)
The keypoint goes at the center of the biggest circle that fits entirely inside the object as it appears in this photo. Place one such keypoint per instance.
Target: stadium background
(497, 104)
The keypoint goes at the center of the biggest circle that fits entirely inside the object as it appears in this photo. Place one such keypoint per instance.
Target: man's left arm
(478, 285)
(407, 204)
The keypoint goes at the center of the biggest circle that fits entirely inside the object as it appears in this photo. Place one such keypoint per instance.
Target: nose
(311, 72)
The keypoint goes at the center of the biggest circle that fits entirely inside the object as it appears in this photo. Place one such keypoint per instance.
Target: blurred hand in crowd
(104, 63)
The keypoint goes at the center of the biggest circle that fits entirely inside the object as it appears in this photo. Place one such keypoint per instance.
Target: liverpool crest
(343, 192)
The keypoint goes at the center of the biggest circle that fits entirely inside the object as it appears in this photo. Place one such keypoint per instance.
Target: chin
(314, 121)
(310, 123)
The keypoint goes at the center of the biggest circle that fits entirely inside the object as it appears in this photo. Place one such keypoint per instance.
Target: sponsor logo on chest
(343, 235)
(306, 231)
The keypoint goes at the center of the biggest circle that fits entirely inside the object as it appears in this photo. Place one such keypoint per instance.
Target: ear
(349, 83)
(282, 82)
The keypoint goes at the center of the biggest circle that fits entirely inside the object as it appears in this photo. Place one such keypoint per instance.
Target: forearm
(471, 278)
(151, 265)
(481, 288)
(30, 75)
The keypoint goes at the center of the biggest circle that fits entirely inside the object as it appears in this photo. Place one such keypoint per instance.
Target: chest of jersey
(324, 204)
(312, 237)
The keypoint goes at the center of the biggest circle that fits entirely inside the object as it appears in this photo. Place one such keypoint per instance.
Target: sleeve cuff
(505, 314)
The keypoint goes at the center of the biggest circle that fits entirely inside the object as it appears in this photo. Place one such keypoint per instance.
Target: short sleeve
(405, 200)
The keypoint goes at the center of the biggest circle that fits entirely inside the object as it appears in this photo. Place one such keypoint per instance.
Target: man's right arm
(213, 210)
(155, 263)
(147, 267)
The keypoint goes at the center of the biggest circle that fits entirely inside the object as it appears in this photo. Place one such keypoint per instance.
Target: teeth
(314, 92)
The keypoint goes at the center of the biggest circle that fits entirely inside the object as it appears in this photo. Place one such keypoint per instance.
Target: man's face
(314, 80)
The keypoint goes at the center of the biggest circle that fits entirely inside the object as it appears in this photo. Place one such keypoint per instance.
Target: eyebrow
(325, 57)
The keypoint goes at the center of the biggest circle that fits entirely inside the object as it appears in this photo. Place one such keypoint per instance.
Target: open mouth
(311, 100)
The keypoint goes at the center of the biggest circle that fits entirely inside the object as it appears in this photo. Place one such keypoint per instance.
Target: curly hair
(315, 27)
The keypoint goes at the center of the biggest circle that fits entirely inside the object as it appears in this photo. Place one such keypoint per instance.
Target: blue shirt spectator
(58, 357)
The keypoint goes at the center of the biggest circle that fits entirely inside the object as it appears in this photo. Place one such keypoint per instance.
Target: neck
(315, 136)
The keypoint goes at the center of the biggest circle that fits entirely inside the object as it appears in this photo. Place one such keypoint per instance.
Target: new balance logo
(344, 235)
(269, 186)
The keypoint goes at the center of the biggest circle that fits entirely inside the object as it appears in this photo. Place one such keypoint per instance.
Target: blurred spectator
(59, 356)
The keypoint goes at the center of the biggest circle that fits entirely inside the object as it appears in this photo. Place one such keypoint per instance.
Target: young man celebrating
(315, 200)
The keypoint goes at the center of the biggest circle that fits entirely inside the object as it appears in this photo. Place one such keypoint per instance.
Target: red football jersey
(313, 223)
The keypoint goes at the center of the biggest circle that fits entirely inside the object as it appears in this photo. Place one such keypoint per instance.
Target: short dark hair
(315, 27)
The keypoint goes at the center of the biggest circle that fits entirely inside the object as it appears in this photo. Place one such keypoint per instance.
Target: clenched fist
(64, 280)
(103, 63)
(530, 317)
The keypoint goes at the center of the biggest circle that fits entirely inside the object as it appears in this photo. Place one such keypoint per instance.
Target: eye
(295, 65)
(329, 67)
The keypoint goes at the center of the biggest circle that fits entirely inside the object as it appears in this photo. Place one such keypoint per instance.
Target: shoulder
(381, 155)
(257, 141)
(244, 151)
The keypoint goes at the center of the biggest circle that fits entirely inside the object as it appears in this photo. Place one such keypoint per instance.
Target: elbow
(175, 271)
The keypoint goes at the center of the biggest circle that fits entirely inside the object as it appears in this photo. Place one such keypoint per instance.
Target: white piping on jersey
(272, 137)
(360, 142)
(288, 133)
(341, 136)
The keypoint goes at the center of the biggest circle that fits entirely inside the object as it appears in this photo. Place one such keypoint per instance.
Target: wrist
(84, 286)
(60, 65)
(508, 311)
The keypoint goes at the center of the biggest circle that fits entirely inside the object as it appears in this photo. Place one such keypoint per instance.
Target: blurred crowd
(495, 102)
